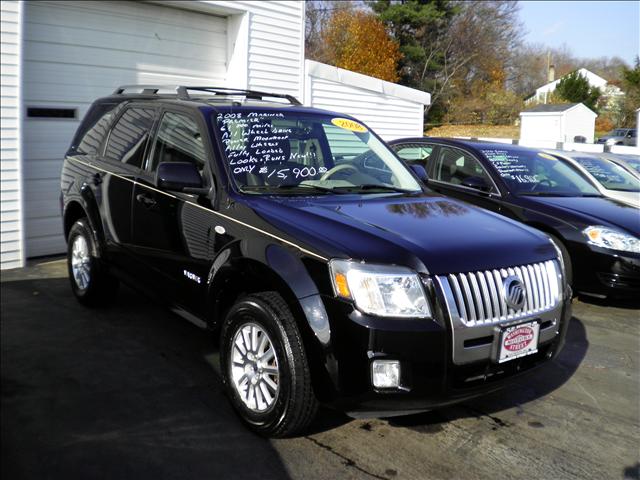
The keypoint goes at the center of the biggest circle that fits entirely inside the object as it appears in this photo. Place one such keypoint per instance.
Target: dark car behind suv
(600, 236)
(330, 274)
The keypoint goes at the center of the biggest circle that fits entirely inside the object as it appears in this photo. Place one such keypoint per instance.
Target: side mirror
(420, 172)
(180, 177)
(477, 183)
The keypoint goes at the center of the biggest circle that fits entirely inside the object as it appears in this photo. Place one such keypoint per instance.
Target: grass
(489, 131)
(484, 131)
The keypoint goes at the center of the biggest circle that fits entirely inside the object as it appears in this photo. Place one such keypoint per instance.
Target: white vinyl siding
(557, 127)
(11, 231)
(276, 46)
(75, 52)
(390, 110)
(579, 122)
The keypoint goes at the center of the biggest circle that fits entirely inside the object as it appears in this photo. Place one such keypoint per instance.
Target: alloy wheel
(254, 368)
(81, 262)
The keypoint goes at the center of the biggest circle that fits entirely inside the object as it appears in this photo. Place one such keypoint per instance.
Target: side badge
(220, 230)
(191, 276)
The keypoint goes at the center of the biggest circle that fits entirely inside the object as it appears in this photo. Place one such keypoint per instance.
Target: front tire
(91, 284)
(265, 368)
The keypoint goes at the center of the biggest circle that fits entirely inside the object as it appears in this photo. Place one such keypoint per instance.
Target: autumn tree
(422, 31)
(575, 88)
(452, 48)
(357, 40)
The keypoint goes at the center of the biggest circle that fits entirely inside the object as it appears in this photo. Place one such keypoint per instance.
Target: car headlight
(606, 237)
(384, 290)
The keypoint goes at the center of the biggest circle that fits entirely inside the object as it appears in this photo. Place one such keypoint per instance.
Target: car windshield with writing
(609, 175)
(527, 172)
(275, 152)
(632, 160)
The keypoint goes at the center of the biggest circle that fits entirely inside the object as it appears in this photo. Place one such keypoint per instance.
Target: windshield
(270, 151)
(528, 172)
(631, 160)
(610, 175)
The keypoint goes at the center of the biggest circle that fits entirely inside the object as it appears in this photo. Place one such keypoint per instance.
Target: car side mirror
(477, 183)
(420, 172)
(180, 177)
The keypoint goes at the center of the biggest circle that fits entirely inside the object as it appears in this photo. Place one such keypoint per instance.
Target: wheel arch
(235, 274)
(84, 205)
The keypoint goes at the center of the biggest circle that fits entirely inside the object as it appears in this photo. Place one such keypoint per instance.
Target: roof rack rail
(182, 92)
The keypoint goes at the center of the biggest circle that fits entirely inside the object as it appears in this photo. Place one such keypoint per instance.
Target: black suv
(330, 273)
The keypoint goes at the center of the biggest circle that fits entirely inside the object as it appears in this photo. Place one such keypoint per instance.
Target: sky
(589, 28)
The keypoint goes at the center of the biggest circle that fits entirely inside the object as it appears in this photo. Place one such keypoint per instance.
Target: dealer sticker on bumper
(518, 341)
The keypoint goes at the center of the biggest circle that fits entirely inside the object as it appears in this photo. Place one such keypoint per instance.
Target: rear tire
(91, 283)
(273, 397)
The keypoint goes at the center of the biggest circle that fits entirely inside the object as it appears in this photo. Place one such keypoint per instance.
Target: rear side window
(128, 137)
(455, 166)
(94, 128)
(414, 153)
(178, 140)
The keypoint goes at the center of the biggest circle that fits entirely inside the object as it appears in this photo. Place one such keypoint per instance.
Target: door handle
(97, 178)
(146, 201)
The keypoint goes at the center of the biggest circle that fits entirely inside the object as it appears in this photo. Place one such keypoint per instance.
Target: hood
(588, 211)
(443, 235)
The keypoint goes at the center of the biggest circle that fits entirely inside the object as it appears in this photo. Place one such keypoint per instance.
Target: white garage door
(76, 52)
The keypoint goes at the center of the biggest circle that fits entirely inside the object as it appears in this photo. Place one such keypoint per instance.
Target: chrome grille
(480, 297)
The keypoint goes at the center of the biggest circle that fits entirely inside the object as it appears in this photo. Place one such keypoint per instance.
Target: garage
(75, 52)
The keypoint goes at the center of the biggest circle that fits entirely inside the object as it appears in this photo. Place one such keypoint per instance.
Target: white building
(542, 93)
(58, 56)
(558, 123)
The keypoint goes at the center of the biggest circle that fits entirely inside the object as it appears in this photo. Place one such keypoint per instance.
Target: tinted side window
(413, 153)
(128, 137)
(178, 140)
(94, 128)
(454, 166)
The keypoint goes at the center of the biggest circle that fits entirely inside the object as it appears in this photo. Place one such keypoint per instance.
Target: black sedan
(599, 237)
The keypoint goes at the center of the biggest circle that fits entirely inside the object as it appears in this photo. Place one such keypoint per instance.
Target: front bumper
(430, 377)
(605, 273)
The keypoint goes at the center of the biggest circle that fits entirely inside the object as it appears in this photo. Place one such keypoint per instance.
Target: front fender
(234, 272)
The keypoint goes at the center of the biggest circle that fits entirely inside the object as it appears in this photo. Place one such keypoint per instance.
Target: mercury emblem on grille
(514, 292)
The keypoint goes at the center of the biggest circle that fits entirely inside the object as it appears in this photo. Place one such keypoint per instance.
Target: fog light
(386, 373)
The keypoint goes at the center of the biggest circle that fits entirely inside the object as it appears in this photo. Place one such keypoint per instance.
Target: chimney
(551, 74)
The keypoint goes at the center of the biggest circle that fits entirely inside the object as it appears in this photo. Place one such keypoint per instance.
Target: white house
(58, 56)
(557, 123)
(542, 93)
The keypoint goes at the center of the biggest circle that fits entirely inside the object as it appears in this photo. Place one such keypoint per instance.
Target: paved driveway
(134, 392)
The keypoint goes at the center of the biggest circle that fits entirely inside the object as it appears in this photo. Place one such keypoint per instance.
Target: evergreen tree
(575, 88)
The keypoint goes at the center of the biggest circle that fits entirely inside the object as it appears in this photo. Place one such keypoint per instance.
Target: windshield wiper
(376, 186)
(289, 187)
(546, 194)
(554, 194)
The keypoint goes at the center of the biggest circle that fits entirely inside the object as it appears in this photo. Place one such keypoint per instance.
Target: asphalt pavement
(133, 392)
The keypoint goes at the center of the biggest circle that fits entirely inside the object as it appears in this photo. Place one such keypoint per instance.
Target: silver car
(628, 161)
(620, 136)
(609, 178)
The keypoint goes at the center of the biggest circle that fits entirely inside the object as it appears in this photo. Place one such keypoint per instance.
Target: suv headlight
(384, 290)
(612, 239)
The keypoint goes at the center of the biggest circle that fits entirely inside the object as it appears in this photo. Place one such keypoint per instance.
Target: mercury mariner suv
(331, 274)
